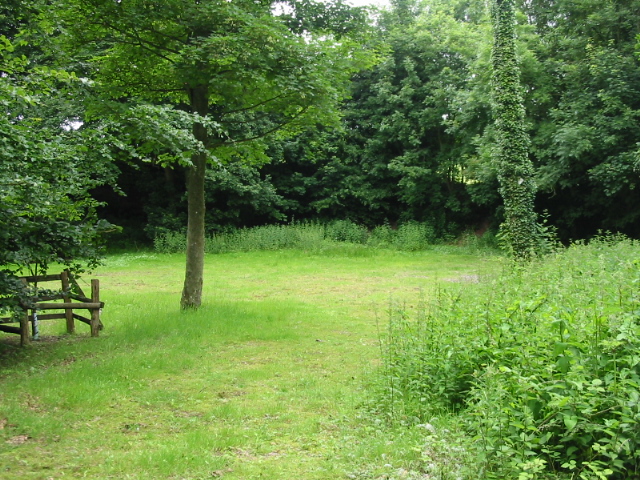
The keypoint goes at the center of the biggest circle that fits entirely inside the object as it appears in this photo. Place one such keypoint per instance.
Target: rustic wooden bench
(73, 298)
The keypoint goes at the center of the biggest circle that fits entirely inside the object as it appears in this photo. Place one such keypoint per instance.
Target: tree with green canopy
(400, 155)
(232, 71)
(585, 140)
(47, 214)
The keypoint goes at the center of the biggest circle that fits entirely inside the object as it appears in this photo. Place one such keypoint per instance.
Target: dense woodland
(412, 138)
(416, 135)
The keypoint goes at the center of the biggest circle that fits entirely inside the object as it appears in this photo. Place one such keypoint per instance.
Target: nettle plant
(541, 364)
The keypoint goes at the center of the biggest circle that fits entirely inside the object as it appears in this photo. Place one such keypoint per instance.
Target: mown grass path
(264, 381)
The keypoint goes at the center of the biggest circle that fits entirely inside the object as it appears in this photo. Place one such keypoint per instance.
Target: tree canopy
(230, 72)
(222, 114)
(46, 173)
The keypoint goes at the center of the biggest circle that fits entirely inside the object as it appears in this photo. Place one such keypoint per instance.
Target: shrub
(413, 236)
(346, 231)
(170, 242)
(309, 236)
(269, 237)
(541, 364)
(382, 236)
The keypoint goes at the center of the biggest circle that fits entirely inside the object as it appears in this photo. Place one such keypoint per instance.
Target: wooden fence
(70, 291)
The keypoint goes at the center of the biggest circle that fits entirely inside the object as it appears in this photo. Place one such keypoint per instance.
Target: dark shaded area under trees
(415, 140)
(417, 135)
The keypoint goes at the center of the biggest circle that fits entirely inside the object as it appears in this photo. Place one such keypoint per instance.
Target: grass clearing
(264, 381)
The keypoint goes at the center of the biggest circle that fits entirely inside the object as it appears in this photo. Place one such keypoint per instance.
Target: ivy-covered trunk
(193, 279)
(515, 170)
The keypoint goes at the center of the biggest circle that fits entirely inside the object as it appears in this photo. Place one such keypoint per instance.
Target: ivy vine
(515, 170)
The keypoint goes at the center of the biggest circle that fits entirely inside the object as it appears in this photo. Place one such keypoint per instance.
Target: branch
(265, 133)
(256, 105)
(148, 88)
(145, 44)
(141, 44)
(170, 37)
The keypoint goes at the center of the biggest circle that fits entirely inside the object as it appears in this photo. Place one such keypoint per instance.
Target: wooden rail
(82, 302)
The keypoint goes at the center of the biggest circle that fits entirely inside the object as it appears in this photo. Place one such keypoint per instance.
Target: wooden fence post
(24, 323)
(68, 313)
(95, 313)
(24, 329)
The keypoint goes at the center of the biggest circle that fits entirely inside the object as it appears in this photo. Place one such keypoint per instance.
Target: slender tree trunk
(193, 279)
(515, 170)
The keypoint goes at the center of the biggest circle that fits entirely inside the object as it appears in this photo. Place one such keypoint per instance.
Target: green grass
(265, 380)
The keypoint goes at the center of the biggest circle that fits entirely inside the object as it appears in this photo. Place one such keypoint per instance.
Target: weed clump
(539, 364)
(411, 236)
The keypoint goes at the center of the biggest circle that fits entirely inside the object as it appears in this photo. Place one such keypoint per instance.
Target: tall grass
(539, 364)
(269, 237)
(412, 236)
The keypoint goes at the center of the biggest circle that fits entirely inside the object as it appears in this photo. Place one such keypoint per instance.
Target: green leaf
(570, 421)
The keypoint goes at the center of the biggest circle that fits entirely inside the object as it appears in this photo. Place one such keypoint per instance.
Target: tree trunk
(193, 279)
(515, 170)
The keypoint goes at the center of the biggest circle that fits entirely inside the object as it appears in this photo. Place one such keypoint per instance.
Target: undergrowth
(411, 236)
(540, 365)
